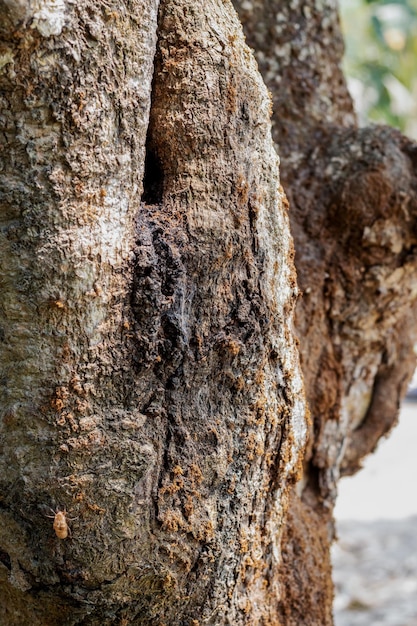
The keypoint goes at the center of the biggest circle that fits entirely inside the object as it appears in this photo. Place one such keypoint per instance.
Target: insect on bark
(60, 525)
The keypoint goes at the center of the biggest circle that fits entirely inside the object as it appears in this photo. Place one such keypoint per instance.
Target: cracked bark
(150, 374)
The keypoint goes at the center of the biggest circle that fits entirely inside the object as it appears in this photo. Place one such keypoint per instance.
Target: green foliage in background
(381, 60)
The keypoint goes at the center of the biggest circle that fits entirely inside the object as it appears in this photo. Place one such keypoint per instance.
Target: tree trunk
(352, 196)
(150, 376)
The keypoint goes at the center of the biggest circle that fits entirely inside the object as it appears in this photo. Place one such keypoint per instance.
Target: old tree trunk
(151, 384)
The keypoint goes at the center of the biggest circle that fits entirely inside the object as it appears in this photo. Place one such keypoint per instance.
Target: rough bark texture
(149, 373)
(353, 212)
(76, 87)
(150, 380)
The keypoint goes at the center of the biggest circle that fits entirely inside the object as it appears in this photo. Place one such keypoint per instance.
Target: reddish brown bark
(353, 213)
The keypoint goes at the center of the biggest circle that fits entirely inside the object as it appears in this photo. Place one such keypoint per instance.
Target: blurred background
(381, 60)
(375, 557)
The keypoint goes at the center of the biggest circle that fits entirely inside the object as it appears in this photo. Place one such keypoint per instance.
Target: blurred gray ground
(375, 558)
(375, 573)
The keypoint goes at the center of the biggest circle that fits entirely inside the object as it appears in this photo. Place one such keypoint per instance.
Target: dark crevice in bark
(153, 176)
(5, 559)
(153, 180)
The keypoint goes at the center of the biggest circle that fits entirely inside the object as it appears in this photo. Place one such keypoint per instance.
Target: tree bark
(151, 384)
(158, 399)
(353, 217)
